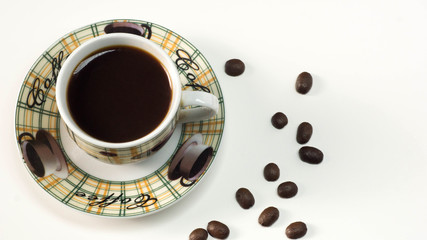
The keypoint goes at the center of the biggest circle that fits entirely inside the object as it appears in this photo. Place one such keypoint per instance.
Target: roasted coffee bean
(245, 198)
(234, 67)
(310, 155)
(296, 230)
(279, 120)
(271, 172)
(304, 83)
(268, 216)
(287, 190)
(218, 230)
(198, 234)
(304, 132)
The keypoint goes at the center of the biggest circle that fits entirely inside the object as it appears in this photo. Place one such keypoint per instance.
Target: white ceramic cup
(132, 151)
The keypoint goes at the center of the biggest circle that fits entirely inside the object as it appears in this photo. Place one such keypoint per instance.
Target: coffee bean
(245, 198)
(198, 234)
(311, 155)
(268, 216)
(304, 132)
(304, 83)
(279, 120)
(296, 230)
(287, 189)
(234, 67)
(271, 172)
(218, 230)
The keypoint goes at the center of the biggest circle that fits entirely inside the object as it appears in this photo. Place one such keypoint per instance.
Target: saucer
(141, 192)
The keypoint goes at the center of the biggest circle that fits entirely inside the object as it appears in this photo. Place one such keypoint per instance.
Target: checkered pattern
(124, 155)
(36, 109)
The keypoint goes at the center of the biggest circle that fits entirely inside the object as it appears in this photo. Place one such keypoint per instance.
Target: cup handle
(207, 106)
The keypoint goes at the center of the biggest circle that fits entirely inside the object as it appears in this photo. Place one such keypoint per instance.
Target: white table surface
(368, 107)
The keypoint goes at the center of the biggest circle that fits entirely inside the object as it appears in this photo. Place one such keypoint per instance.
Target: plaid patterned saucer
(36, 109)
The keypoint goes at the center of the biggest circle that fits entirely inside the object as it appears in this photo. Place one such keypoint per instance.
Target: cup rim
(100, 42)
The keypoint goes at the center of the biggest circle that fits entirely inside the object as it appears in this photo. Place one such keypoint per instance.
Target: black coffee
(119, 94)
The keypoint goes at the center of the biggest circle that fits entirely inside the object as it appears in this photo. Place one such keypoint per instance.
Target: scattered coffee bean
(271, 172)
(287, 189)
(304, 83)
(296, 230)
(218, 230)
(268, 216)
(198, 234)
(279, 120)
(234, 67)
(245, 198)
(304, 132)
(311, 155)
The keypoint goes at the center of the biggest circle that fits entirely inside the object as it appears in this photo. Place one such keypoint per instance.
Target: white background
(368, 108)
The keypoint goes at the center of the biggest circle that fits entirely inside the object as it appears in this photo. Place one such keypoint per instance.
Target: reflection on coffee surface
(119, 94)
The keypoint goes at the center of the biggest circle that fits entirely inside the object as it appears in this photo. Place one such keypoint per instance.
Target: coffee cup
(120, 98)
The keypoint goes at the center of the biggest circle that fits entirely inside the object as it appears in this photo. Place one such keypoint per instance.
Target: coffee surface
(119, 94)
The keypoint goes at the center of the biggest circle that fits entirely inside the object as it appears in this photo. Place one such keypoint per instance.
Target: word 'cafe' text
(39, 88)
(143, 200)
(184, 62)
